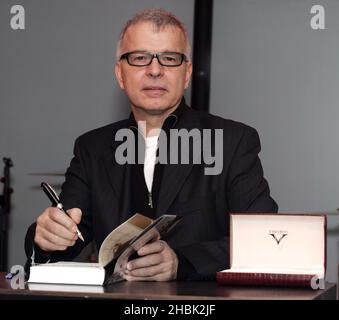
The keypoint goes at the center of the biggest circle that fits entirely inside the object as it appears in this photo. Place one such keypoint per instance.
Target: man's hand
(55, 230)
(157, 262)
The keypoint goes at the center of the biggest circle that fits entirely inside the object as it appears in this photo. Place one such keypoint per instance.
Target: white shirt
(151, 146)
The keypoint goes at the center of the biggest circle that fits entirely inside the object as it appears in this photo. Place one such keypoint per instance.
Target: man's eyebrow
(134, 50)
(155, 51)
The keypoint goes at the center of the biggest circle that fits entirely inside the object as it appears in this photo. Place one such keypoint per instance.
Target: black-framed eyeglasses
(144, 58)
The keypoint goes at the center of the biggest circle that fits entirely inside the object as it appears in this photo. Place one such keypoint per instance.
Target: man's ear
(189, 69)
(118, 75)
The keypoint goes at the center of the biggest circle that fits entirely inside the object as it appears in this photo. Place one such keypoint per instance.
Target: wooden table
(165, 291)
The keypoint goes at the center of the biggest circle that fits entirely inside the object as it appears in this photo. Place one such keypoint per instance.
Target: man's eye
(140, 58)
(169, 58)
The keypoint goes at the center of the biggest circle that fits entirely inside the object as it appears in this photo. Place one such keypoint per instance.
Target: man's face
(154, 89)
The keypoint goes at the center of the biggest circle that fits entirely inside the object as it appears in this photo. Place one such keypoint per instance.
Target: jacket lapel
(173, 178)
(174, 175)
(119, 177)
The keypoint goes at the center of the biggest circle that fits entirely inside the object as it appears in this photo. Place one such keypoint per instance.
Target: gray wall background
(273, 72)
(269, 69)
(57, 82)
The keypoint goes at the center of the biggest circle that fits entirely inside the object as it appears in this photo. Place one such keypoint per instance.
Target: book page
(67, 273)
(65, 287)
(118, 240)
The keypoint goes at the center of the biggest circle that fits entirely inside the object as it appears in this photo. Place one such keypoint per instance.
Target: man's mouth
(154, 90)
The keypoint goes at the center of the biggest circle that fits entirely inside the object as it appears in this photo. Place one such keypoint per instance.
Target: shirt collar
(169, 122)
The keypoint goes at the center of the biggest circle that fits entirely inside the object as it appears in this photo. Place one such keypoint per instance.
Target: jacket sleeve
(75, 194)
(246, 191)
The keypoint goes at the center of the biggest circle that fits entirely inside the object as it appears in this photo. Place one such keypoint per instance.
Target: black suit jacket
(101, 188)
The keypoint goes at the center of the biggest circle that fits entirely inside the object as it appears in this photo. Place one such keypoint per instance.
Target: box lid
(278, 243)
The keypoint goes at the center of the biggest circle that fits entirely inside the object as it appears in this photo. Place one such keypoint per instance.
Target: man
(154, 69)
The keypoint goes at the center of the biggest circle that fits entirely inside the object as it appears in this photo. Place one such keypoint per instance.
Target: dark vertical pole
(5, 208)
(202, 47)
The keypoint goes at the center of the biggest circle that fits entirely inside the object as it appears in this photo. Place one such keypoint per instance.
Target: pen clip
(51, 194)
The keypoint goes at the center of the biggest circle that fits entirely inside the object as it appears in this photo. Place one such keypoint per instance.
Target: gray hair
(160, 18)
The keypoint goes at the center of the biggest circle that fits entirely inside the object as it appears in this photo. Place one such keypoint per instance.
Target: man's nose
(155, 69)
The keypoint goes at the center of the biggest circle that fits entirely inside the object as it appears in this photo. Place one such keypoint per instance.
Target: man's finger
(75, 214)
(149, 271)
(56, 239)
(159, 277)
(59, 230)
(62, 218)
(46, 245)
(152, 247)
(149, 260)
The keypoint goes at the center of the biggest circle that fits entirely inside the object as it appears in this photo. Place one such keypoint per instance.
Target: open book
(120, 246)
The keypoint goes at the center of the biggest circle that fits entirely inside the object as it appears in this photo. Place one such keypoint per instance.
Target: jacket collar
(170, 121)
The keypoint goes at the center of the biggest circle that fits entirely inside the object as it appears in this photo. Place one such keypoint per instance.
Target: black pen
(52, 195)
